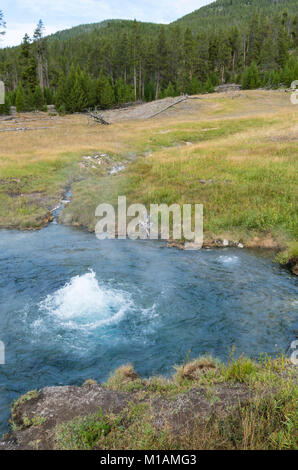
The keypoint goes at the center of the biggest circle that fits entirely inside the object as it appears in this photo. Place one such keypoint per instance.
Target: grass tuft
(122, 378)
(193, 370)
(240, 370)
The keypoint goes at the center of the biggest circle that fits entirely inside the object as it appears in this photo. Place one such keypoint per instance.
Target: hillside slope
(106, 28)
(119, 61)
(225, 13)
(218, 14)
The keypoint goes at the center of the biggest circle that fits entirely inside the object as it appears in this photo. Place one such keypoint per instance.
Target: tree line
(128, 61)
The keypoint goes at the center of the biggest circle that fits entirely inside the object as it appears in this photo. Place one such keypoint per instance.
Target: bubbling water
(228, 259)
(84, 303)
(139, 303)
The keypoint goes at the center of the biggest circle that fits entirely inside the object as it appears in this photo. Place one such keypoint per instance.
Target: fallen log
(184, 98)
(98, 118)
(6, 118)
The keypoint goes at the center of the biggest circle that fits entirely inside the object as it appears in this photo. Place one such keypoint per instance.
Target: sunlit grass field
(234, 153)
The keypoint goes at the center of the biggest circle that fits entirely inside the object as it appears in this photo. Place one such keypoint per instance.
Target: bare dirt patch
(149, 110)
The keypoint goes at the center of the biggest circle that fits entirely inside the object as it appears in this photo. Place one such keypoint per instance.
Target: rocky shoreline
(201, 395)
(36, 418)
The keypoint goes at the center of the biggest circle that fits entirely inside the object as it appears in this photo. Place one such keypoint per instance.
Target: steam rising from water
(146, 305)
(84, 303)
(228, 259)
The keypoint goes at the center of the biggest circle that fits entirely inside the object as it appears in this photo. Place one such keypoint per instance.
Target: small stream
(73, 307)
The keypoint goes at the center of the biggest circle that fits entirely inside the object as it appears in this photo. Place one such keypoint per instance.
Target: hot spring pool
(73, 307)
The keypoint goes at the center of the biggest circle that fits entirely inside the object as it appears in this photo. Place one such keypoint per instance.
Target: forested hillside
(252, 42)
(226, 13)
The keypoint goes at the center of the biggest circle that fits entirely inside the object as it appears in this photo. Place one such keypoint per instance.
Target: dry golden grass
(237, 137)
(73, 134)
(193, 369)
(122, 376)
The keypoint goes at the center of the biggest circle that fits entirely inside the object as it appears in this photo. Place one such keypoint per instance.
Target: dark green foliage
(20, 100)
(124, 93)
(251, 78)
(105, 92)
(78, 97)
(84, 433)
(208, 86)
(29, 66)
(170, 90)
(251, 42)
(48, 96)
(38, 98)
(290, 72)
(223, 14)
(5, 108)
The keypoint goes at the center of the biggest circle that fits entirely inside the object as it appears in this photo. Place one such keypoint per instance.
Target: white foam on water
(228, 259)
(84, 303)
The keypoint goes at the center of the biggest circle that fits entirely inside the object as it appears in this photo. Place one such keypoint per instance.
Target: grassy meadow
(235, 153)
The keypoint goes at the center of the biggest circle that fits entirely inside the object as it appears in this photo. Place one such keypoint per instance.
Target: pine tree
(224, 57)
(161, 55)
(188, 46)
(143, 61)
(196, 86)
(254, 39)
(208, 86)
(213, 52)
(268, 53)
(90, 89)
(290, 72)
(60, 95)
(40, 44)
(99, 87)
(20, 103)
(283, 54)
(175, 54)
(69, 99)
(251, 77)
(150, 91)
(235, 44)
(274, 79)
(124, 93)
(38, 98)
(48, 95)
(169, 91)
(5, 108)
(294, 31)
(201, 68)
(79, 96)
(135, 52)
(29, 73)
(107, 95)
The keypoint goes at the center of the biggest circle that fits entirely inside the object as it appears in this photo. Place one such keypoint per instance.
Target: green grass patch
(82, 433)
(286, 256)
(266, 420)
